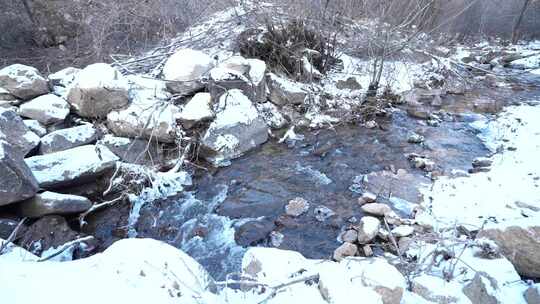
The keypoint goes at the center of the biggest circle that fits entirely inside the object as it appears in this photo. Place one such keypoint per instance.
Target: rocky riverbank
(271, 187)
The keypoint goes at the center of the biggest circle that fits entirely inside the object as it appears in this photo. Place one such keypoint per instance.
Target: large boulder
(48, 203)
(65, 139)
(237, 129)
(132, 271)
(17, 133)
(518, 241)
(184, 71)
(150, 115)
(197, 109)
(23, 82)
(16, 180)
(98, 90)
(46, 109)
(73, 166)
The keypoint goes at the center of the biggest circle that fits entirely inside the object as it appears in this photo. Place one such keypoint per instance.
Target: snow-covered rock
(368, 229)
(337, 286)
(222, 80)
(46, 109)
(257, 74)
(378, 274)
(237, 63)
(185, 69)
(284, 91)
(372, 280)
(71, 166)
(23, 81)
(236, 129)
(47, 203)
(437, 290)
(17, 133)
(150, 114)
(35, 127)
(62, 80)
(16, 180)
(130, 271)
(97, 90)
(65, 139)
(197, 109)
(271, 115)
(519, 242)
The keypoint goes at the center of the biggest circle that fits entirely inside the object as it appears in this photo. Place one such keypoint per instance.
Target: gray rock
(61, 80)
(23, 82)
(17, 133)
(482, 162)
(98, 90)
(48, 203)
(35, 127)
(345, 250)
(283, 91)
(367, 197)
(349, 236)
(322, 213)
(46, 109)
(236, 129)
(532, 294)
(16, 180)
(221, 80)
(7, 226)
(518, 241)
(65, 139)
(253, 232)
(377, 209)
(415, 138)
(134, 151)
(73, 166)
(349, 84)
(479, 290)
(51, 231)
(297, 207)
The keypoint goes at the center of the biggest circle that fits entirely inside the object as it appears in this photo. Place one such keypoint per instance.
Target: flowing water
(244, 203)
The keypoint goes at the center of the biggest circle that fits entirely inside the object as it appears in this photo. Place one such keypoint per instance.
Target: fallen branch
(65, 247)
(96, 207)
(12, 236)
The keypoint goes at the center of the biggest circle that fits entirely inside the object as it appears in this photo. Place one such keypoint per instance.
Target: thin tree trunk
(515, 29)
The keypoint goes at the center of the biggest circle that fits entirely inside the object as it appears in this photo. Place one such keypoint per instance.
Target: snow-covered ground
(511, 190)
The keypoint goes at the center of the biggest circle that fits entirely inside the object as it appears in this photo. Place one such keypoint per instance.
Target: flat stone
(46, 109)
(48, 203)
(73, 166)
(376, 209)
(65, 139)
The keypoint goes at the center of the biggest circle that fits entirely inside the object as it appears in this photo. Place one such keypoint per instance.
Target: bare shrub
(283, 47)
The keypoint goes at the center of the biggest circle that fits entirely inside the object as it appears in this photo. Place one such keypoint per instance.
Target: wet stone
(253, 232)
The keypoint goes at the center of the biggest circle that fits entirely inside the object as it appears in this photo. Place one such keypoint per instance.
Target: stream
(243, 204)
